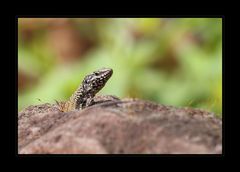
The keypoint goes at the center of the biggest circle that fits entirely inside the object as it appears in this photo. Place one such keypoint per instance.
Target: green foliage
(170, 61)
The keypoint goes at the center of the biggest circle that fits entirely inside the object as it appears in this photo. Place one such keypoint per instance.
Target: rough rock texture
(127, 126)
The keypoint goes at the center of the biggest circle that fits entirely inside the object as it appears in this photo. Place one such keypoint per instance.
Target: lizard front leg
(89, 101)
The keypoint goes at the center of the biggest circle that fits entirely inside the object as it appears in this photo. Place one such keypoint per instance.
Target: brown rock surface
(127, 126)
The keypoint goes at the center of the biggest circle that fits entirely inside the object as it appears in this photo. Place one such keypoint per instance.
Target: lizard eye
(86, 81)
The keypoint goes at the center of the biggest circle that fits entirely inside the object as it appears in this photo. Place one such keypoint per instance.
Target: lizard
(84, 96)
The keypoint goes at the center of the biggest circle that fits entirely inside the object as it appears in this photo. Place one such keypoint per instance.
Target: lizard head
(95, 81)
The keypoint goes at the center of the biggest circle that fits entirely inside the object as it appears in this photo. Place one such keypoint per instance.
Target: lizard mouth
(106, 73)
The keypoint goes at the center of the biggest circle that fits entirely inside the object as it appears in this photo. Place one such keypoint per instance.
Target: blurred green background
(176, 61)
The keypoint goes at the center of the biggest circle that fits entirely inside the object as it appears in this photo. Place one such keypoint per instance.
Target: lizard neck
(77, 97)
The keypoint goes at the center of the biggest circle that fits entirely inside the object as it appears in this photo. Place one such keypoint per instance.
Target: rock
(130, 126)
